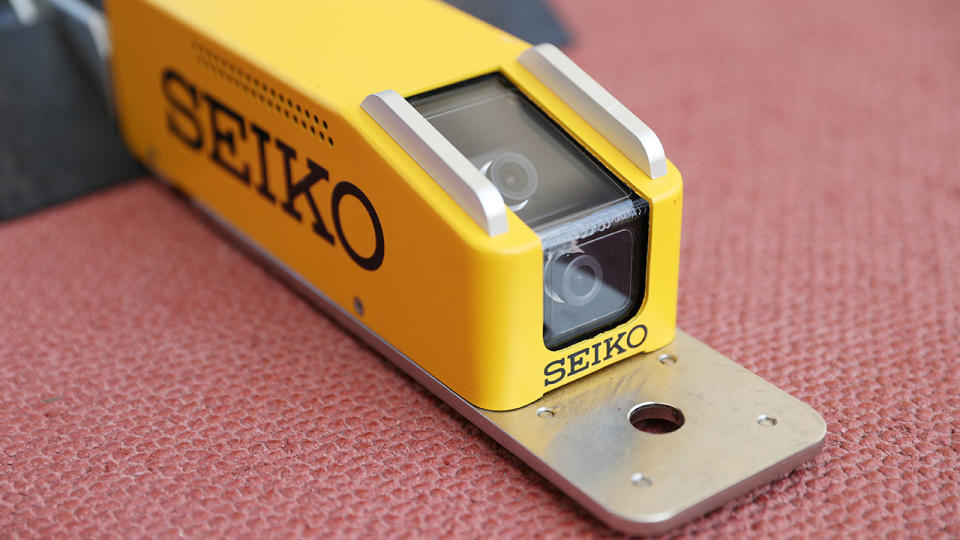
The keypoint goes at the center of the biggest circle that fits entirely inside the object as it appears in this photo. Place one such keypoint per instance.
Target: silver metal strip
(739, 431)
(600, 109)
(26, 11)
(85, 28)
(473, 191)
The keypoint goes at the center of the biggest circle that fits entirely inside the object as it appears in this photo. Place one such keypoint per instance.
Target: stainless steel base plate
(738, 431)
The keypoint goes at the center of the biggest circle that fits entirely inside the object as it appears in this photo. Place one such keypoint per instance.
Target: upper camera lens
(513, 174)
(577, 278)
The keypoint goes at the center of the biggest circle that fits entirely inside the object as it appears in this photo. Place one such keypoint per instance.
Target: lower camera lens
(576, 278)
(512, 174)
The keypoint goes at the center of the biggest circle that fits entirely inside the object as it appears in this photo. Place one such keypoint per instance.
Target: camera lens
(512, 174)
(576, 278)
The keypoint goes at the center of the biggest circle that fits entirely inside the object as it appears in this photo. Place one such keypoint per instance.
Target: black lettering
(575, 361)
(262, 139)
(170, 79)
(596, 353)
(302, 188)
(228, 130)
(630, 336)
(616, 345)
(340, 191)
(547, 372)
(225, 138)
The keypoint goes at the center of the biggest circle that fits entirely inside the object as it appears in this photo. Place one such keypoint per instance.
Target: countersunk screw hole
(545, 412)
(668, 359)
(766, 421)
(656, 418)
(357, 305)
(640, 480)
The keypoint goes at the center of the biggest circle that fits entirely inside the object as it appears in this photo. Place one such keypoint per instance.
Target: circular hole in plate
(656, 418)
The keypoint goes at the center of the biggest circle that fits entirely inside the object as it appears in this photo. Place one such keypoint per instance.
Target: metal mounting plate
(739, 430)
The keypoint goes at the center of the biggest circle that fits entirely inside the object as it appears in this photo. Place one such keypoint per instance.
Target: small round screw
(766, 421)
(639, 480)
(545, 412)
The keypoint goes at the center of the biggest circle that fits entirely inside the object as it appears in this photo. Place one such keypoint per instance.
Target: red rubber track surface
(155, 381)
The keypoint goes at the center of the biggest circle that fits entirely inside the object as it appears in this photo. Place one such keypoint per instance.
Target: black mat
(530, 20)
(56, 139)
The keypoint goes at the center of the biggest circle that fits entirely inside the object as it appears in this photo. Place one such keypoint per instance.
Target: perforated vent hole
(253, 86)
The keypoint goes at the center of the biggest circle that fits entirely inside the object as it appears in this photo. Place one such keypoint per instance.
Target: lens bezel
(494, 169)
(564, 271)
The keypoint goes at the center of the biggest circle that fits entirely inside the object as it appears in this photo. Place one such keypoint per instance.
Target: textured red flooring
(156, 382)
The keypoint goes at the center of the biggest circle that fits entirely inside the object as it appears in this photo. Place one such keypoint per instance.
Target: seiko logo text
(601, 351)
(226, 129)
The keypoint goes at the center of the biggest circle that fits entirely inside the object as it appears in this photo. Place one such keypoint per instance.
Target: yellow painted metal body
(466, 307)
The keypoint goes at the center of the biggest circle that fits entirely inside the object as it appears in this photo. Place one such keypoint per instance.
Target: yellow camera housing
(257, 112)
